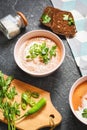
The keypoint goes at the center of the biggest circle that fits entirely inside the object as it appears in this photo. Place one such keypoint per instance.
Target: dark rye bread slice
(57, 22)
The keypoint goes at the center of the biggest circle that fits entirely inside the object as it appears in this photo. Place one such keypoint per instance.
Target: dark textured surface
(58, 83)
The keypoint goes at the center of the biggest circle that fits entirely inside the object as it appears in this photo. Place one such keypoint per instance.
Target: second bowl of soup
(78, 99)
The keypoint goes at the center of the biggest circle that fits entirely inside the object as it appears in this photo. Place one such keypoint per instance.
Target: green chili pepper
(40, 104)
(36, 107)
(31, 102)
(35, 95)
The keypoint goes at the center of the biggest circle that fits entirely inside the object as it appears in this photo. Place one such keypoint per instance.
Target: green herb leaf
(46, 18)
(45, 58)
(53, 51)
(8, 80)
(12, 92)
(4, 84)
(84, 114)
(2, 81)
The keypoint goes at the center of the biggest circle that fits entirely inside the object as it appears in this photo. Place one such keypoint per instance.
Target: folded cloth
(78, 44)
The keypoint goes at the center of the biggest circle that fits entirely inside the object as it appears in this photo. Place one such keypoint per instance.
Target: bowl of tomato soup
(78, 99)
(39, 52)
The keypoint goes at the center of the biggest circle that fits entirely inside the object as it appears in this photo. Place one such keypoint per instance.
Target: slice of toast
(61, 22)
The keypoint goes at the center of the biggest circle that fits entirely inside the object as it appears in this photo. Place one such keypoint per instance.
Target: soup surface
(79, 100)
(78, 95)
(36, 65)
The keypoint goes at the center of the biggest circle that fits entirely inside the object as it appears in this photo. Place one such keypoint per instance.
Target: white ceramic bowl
(73, 88)
(39, 33)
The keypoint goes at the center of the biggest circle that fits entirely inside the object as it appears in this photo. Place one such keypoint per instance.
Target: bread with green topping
(59, 21)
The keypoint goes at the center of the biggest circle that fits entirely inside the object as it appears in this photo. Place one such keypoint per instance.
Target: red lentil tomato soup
(79, 94)
(31, 60)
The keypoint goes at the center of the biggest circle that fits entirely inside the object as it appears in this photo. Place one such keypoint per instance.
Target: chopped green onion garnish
(69, 19)
(65, 17)
(42, 51)
(45, 18)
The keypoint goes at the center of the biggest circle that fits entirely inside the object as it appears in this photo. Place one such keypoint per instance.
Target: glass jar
(11, 25)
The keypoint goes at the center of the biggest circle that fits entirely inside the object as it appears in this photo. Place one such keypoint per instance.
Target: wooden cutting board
(41, 118)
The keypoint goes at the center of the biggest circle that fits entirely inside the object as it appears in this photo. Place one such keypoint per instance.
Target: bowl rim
(74, 86)
(45, 73)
